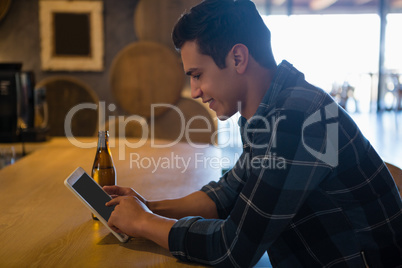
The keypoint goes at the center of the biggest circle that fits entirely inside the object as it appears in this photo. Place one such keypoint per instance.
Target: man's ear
(240, 56)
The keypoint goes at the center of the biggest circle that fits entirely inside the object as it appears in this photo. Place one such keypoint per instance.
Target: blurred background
(120, 53)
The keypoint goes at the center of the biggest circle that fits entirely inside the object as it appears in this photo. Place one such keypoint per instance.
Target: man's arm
(194, 204)
(197, 203)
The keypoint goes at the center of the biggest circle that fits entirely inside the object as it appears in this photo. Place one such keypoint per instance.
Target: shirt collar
(283, 71)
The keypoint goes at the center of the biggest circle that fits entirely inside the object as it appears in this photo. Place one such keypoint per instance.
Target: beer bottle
(103, 170)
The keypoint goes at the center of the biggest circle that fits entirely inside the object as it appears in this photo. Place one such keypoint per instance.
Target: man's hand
(132, 217)
(115, 191)
(128, 216)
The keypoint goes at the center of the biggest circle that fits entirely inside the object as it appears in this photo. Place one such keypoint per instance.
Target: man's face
(220, 88)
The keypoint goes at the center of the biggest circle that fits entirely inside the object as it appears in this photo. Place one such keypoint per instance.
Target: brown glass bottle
(103, 170)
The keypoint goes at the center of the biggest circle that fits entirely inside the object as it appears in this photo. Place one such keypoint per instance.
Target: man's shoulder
(302, 99)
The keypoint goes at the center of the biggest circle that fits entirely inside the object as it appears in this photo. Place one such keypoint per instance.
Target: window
(333, 51)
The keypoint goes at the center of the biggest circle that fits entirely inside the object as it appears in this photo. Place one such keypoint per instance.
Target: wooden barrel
(187, 121)
(4, 7)
(64, 93)
(154, 19)
(146, 73)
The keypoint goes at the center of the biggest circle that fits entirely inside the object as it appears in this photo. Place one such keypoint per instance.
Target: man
(330, 203)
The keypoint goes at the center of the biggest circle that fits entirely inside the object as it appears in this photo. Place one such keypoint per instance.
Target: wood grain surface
(42, 224)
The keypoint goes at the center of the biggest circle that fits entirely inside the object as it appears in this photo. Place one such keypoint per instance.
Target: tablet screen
(94, 195)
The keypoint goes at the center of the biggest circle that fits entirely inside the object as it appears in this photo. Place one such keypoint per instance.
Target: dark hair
(217, 25)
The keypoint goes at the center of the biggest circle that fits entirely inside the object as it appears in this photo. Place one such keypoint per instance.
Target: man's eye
(196, 77)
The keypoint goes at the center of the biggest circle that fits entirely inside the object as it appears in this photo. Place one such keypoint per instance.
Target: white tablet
(93, 196)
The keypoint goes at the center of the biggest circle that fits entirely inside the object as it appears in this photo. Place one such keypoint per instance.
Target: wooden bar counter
(42, 224)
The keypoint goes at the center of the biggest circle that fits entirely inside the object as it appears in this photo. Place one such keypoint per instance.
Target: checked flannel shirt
(308, 188)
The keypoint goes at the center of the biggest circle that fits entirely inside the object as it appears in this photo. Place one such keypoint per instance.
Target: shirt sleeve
(226, 191)
(282, 175)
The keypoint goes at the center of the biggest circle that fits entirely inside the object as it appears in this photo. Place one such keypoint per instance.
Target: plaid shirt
(308, 188)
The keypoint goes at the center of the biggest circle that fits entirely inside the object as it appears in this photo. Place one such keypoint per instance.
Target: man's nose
(196, 92)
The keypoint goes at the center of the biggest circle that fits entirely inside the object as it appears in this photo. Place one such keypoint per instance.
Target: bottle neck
(103, 140)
